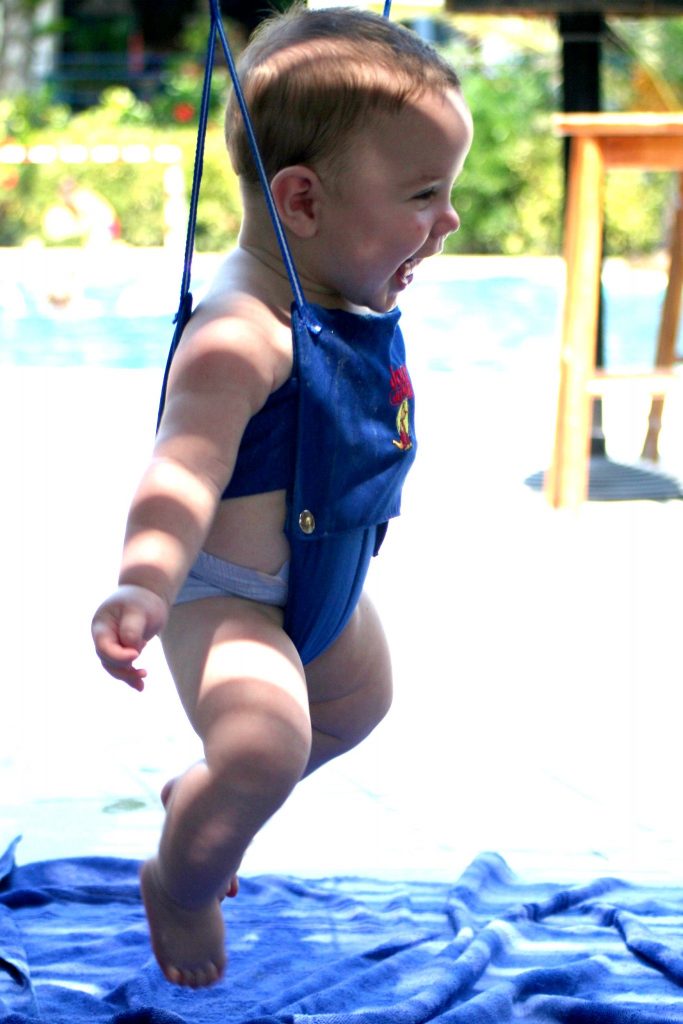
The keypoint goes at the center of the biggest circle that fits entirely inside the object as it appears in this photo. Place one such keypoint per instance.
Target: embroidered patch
(403, 427)
(401, 385)
(402, 390)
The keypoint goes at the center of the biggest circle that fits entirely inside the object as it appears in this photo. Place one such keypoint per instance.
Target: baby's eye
(427, 193)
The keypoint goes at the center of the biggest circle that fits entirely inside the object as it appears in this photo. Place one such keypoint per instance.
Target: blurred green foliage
(509, 195)
(135, 190)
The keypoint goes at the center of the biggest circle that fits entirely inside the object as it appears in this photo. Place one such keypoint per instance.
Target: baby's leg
(242, 687)
(166, 794)
(349, 686)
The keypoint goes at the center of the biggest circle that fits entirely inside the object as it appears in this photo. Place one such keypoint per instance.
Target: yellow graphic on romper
(403, 427)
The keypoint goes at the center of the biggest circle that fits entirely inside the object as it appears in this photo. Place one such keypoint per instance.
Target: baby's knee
(260, 750)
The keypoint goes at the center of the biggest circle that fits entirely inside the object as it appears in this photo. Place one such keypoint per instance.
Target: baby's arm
(219, 379)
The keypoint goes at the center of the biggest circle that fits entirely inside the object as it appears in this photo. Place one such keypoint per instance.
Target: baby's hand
(121, 627)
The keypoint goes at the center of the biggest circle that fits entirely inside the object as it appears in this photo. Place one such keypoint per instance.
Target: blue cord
(184, 311)
(197, 172)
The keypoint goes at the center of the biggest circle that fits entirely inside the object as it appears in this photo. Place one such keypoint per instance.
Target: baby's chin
(380, 300)
(378, 308)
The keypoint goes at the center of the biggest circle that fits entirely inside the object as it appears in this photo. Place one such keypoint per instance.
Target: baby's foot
(233, 885)
(188, 943)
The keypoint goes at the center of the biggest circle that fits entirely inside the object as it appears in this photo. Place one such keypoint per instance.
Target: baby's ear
(297, 192)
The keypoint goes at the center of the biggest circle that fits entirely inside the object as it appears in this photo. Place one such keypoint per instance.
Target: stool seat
(600, 142)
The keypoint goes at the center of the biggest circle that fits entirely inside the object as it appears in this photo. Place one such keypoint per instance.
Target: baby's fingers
(133, 629)
(127, 673)
(116, 652)
(109, 644)
(121, 627)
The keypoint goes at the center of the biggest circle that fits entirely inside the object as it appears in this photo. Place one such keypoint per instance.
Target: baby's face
(389, 207)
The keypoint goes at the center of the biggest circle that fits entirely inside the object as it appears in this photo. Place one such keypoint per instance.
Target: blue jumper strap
(185, 303)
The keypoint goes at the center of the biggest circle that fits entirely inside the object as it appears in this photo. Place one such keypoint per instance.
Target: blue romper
(354, 443)
(339, 438)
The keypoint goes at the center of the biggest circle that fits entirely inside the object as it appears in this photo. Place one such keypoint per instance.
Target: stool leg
(668, 328)
(566, 482)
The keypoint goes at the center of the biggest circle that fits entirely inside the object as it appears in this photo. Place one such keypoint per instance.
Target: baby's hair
(311, 77)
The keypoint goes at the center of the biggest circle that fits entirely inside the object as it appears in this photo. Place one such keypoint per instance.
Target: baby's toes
(173, 974)
(209, 975)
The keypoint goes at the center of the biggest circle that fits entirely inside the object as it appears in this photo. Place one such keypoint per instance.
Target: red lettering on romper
(401, 386)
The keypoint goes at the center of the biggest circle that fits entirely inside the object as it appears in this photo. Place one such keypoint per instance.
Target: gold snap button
(306, 521)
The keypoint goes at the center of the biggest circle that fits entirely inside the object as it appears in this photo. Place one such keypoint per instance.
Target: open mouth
(405, 272)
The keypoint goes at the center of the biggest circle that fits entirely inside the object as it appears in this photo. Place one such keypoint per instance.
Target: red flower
(11, 181)
(183, 112)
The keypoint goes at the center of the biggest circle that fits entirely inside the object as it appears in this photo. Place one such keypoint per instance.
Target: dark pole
(582, 36)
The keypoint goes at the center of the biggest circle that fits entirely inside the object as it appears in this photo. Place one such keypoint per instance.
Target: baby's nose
(447, 223)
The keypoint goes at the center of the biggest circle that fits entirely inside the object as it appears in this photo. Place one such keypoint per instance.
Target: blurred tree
(129, 42)
(250, 14)
(27, 35)
(509, 193)
(651, 63)
(162, 32)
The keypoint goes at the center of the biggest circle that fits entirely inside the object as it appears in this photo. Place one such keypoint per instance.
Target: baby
(286, 433)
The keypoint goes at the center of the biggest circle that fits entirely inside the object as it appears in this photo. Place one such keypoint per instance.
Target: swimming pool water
(120, 312)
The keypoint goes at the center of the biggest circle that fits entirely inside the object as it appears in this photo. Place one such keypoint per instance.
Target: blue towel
(486, 950)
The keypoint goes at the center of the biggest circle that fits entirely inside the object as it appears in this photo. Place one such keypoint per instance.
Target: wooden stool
(668, 328)
(599, 142)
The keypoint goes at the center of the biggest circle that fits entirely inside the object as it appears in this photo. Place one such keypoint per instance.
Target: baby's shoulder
(238, 334)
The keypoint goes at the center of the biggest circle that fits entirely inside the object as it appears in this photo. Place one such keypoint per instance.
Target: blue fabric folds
(488, 949)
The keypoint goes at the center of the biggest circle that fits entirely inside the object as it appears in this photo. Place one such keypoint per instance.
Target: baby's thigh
(227, 655)
(357, 664)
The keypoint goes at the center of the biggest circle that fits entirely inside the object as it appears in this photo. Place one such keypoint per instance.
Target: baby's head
(313, 78)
